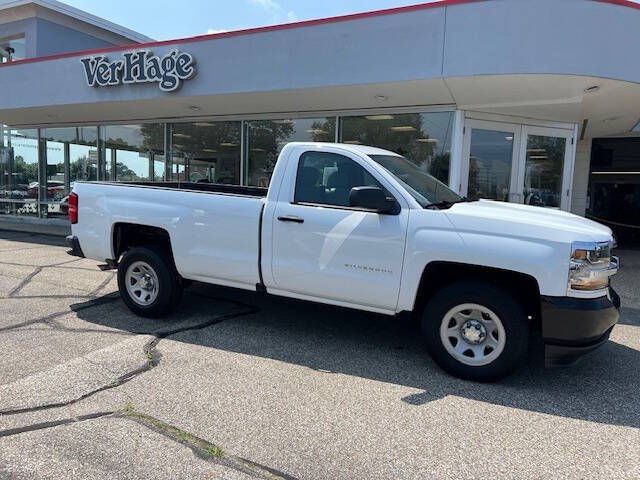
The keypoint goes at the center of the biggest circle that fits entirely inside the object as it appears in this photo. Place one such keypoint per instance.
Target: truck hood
(524, 221)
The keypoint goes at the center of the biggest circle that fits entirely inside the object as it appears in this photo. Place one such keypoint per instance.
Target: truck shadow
(602, 388)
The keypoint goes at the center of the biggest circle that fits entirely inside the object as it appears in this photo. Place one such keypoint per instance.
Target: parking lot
(234, 385)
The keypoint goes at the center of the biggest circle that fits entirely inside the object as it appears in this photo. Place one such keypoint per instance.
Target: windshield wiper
(446, 204)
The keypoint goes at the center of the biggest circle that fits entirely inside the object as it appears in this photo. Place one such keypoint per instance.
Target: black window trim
(340, 207)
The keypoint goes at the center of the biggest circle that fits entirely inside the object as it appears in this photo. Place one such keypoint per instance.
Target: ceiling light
(258, 150)
(209, 150)
(403, 128)
(203, 124)
(592, 89)
(536, 150)
(194, 108)
(282, 122)
(228, 144)
(181, 135)
(538, 157)
(427, 140)
(379, 117)
(509, 139)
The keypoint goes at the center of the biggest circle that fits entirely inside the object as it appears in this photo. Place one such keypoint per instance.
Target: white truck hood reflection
(501, 218)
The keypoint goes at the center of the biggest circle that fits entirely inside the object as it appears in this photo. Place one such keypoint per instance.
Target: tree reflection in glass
(206, 152)
(422, 138)
(268, 137)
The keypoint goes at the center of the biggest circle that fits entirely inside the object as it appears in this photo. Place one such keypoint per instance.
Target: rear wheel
(475, 331)
(148, 281)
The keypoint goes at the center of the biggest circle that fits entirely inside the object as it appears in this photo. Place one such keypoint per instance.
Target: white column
(580, 178)
(455, 160)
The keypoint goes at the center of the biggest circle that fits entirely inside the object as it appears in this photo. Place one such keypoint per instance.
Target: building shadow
(602, 388)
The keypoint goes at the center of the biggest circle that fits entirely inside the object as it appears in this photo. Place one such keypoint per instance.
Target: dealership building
(533, 102)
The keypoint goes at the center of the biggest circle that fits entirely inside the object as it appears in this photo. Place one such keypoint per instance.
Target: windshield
(426, 189)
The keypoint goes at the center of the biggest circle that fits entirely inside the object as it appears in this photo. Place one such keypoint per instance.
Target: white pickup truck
(365, 228)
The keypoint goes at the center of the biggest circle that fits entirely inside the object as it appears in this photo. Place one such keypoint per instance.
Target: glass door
(490, 151)
(545, 173)
(517, 163)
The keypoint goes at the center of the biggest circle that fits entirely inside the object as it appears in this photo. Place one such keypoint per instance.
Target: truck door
(323, 248)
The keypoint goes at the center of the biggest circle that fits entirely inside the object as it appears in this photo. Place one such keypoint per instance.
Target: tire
(148, 281)
(475, 331)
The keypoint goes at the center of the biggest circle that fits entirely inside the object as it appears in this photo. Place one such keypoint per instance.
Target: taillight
(73, 207)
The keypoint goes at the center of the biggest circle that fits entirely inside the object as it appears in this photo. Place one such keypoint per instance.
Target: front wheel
(475, 331)
(148, 282)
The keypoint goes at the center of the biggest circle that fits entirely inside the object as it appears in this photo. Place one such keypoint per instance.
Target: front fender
(435, 239)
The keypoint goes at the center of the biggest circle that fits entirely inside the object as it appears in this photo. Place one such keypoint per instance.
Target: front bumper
(572, 327)
(74, 245)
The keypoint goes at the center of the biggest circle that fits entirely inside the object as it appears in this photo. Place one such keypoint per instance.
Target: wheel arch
(128, 235)
(439, 274)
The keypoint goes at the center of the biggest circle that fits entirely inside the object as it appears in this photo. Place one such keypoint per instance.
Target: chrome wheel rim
(142, 283)
(472, 334)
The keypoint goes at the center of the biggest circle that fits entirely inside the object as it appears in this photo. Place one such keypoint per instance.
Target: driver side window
(327, 179)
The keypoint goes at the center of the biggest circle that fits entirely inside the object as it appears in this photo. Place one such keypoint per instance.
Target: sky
(167, 19)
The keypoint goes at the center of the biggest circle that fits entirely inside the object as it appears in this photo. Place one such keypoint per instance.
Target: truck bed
(214, 229)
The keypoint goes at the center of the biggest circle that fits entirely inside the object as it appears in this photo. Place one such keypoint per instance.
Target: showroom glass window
(422, 138)
(134, 152)
(206, 152)
(266, 138)
(70, 154)
(19, 171)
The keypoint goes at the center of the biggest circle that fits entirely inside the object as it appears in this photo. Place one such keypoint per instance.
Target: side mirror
(373, 198)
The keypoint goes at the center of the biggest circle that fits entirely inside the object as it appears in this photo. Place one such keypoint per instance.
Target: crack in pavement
(49, 265)
(103, 284)
(45, 319)
(54, 423)
(13, 294)
(151, 353)
(153, 359)
(39, 268)
(24, 282)
(53, 265)
(204, 449)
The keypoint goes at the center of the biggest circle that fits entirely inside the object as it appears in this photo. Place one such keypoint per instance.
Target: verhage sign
(142, 66)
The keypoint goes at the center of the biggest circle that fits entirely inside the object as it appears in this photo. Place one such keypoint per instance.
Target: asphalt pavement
(238, 385)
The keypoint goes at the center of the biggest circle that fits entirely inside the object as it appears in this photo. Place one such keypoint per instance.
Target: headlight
(591, 266)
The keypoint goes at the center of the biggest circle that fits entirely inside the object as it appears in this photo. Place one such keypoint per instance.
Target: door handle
(291, 218)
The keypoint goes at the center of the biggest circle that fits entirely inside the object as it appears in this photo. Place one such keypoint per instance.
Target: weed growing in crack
(129, 411)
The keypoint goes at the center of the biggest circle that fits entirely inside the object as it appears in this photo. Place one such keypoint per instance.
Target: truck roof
(362, 149)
